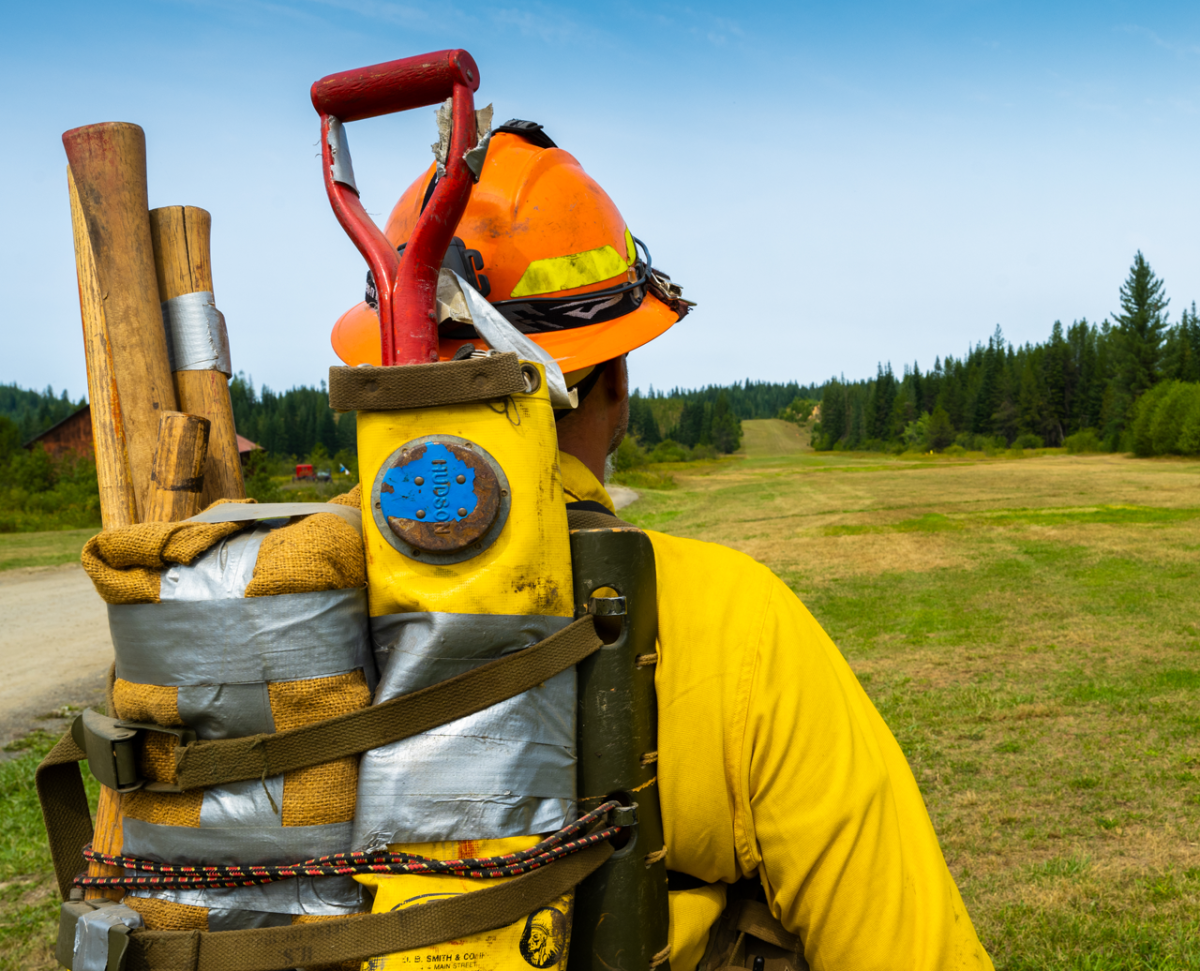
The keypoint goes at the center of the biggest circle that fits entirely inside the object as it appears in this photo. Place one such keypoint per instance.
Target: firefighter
(773, 763)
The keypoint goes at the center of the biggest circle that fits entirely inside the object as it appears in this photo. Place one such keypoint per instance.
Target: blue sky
(835, 184)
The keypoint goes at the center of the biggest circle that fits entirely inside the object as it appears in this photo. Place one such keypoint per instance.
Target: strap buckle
(111, 745)
(67, 948)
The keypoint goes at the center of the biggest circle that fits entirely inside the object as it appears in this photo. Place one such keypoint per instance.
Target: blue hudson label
(434, 488)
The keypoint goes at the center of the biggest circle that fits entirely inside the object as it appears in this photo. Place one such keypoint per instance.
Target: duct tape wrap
(252, 640)
(196, 336)
(508, 770)
(91, 935)
(339, 151)
(221, 651)
(327, 896)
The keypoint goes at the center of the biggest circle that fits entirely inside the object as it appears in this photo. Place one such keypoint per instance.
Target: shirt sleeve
(774, 762)
(831, 815)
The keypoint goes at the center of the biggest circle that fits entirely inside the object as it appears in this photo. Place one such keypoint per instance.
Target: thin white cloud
(1179, 49)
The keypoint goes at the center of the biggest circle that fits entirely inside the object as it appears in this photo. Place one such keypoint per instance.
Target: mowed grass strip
(1029, 630)
(50, 548)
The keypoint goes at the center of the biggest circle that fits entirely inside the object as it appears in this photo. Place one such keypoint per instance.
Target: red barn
(71, 436)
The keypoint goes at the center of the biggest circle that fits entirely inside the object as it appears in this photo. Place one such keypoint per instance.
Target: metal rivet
(420, 513)
(418, 481)
(460, 479)
(462, 511)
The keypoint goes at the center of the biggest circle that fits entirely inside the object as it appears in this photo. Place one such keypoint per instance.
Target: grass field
(42, 549)
(1029, 630)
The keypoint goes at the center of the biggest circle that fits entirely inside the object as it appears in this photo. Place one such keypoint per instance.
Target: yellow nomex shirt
(773, 761)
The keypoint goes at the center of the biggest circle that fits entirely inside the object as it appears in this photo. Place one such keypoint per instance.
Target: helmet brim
(355, 336)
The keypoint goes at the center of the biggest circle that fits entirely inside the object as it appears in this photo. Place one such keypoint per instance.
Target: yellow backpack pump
(467, 550)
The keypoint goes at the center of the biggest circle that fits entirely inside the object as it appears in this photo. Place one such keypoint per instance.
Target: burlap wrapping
(318, 552)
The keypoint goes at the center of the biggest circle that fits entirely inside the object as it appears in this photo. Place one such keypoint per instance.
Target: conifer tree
(726, 429)
(1140, 325)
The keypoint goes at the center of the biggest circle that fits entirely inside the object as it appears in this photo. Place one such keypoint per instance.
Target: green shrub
(38, 492)
(1189, 432)
(1085, 441)
(259, 484)
(1160, 418)
(1028, 440)
(954, 450)
(1167, 423)
(670, 451)
(799, 411)
(630, 455)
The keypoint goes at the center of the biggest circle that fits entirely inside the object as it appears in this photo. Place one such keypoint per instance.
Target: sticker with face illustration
(544, 938)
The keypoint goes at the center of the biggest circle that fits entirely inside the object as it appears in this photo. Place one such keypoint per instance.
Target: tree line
(32, 412)
(291, 423)
(1086, 379)
(709, 417)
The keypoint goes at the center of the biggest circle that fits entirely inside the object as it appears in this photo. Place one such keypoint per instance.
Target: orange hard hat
(547, 247)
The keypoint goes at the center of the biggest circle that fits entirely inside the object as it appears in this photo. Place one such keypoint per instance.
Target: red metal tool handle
(407, 289)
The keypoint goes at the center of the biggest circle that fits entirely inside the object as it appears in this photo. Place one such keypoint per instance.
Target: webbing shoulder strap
(361, 937)
(64, 809)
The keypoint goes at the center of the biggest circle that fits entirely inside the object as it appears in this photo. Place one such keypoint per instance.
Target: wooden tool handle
(182, 263)
(108, 165)
(178, 477)
(118, 505)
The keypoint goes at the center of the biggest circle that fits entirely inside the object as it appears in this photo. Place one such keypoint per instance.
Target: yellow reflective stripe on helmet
(629, 247)
(568, 272)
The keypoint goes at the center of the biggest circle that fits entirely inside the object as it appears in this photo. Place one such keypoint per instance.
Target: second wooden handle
(182, 262)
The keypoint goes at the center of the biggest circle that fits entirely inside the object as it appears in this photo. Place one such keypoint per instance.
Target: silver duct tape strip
(245, 920)
(289, 637)
(90, 952)
(342, 167)
(237, 512)
(246, 803)
(506, 771)
(222, 572)
(197, 339)
(415, 651)
(226, 710)
(242, 845)
(330, 896)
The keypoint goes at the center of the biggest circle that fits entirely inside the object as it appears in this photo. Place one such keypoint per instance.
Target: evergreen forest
(1085, 387)
(1131, 383)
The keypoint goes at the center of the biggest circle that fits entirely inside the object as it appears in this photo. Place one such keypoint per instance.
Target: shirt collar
(580, 485)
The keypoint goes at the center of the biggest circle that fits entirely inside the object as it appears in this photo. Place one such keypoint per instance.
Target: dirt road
(54, 646)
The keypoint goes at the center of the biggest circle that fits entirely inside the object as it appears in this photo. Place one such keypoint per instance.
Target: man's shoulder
(707, 567)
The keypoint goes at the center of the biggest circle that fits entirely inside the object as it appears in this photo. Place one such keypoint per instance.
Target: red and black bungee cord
(563, 843)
